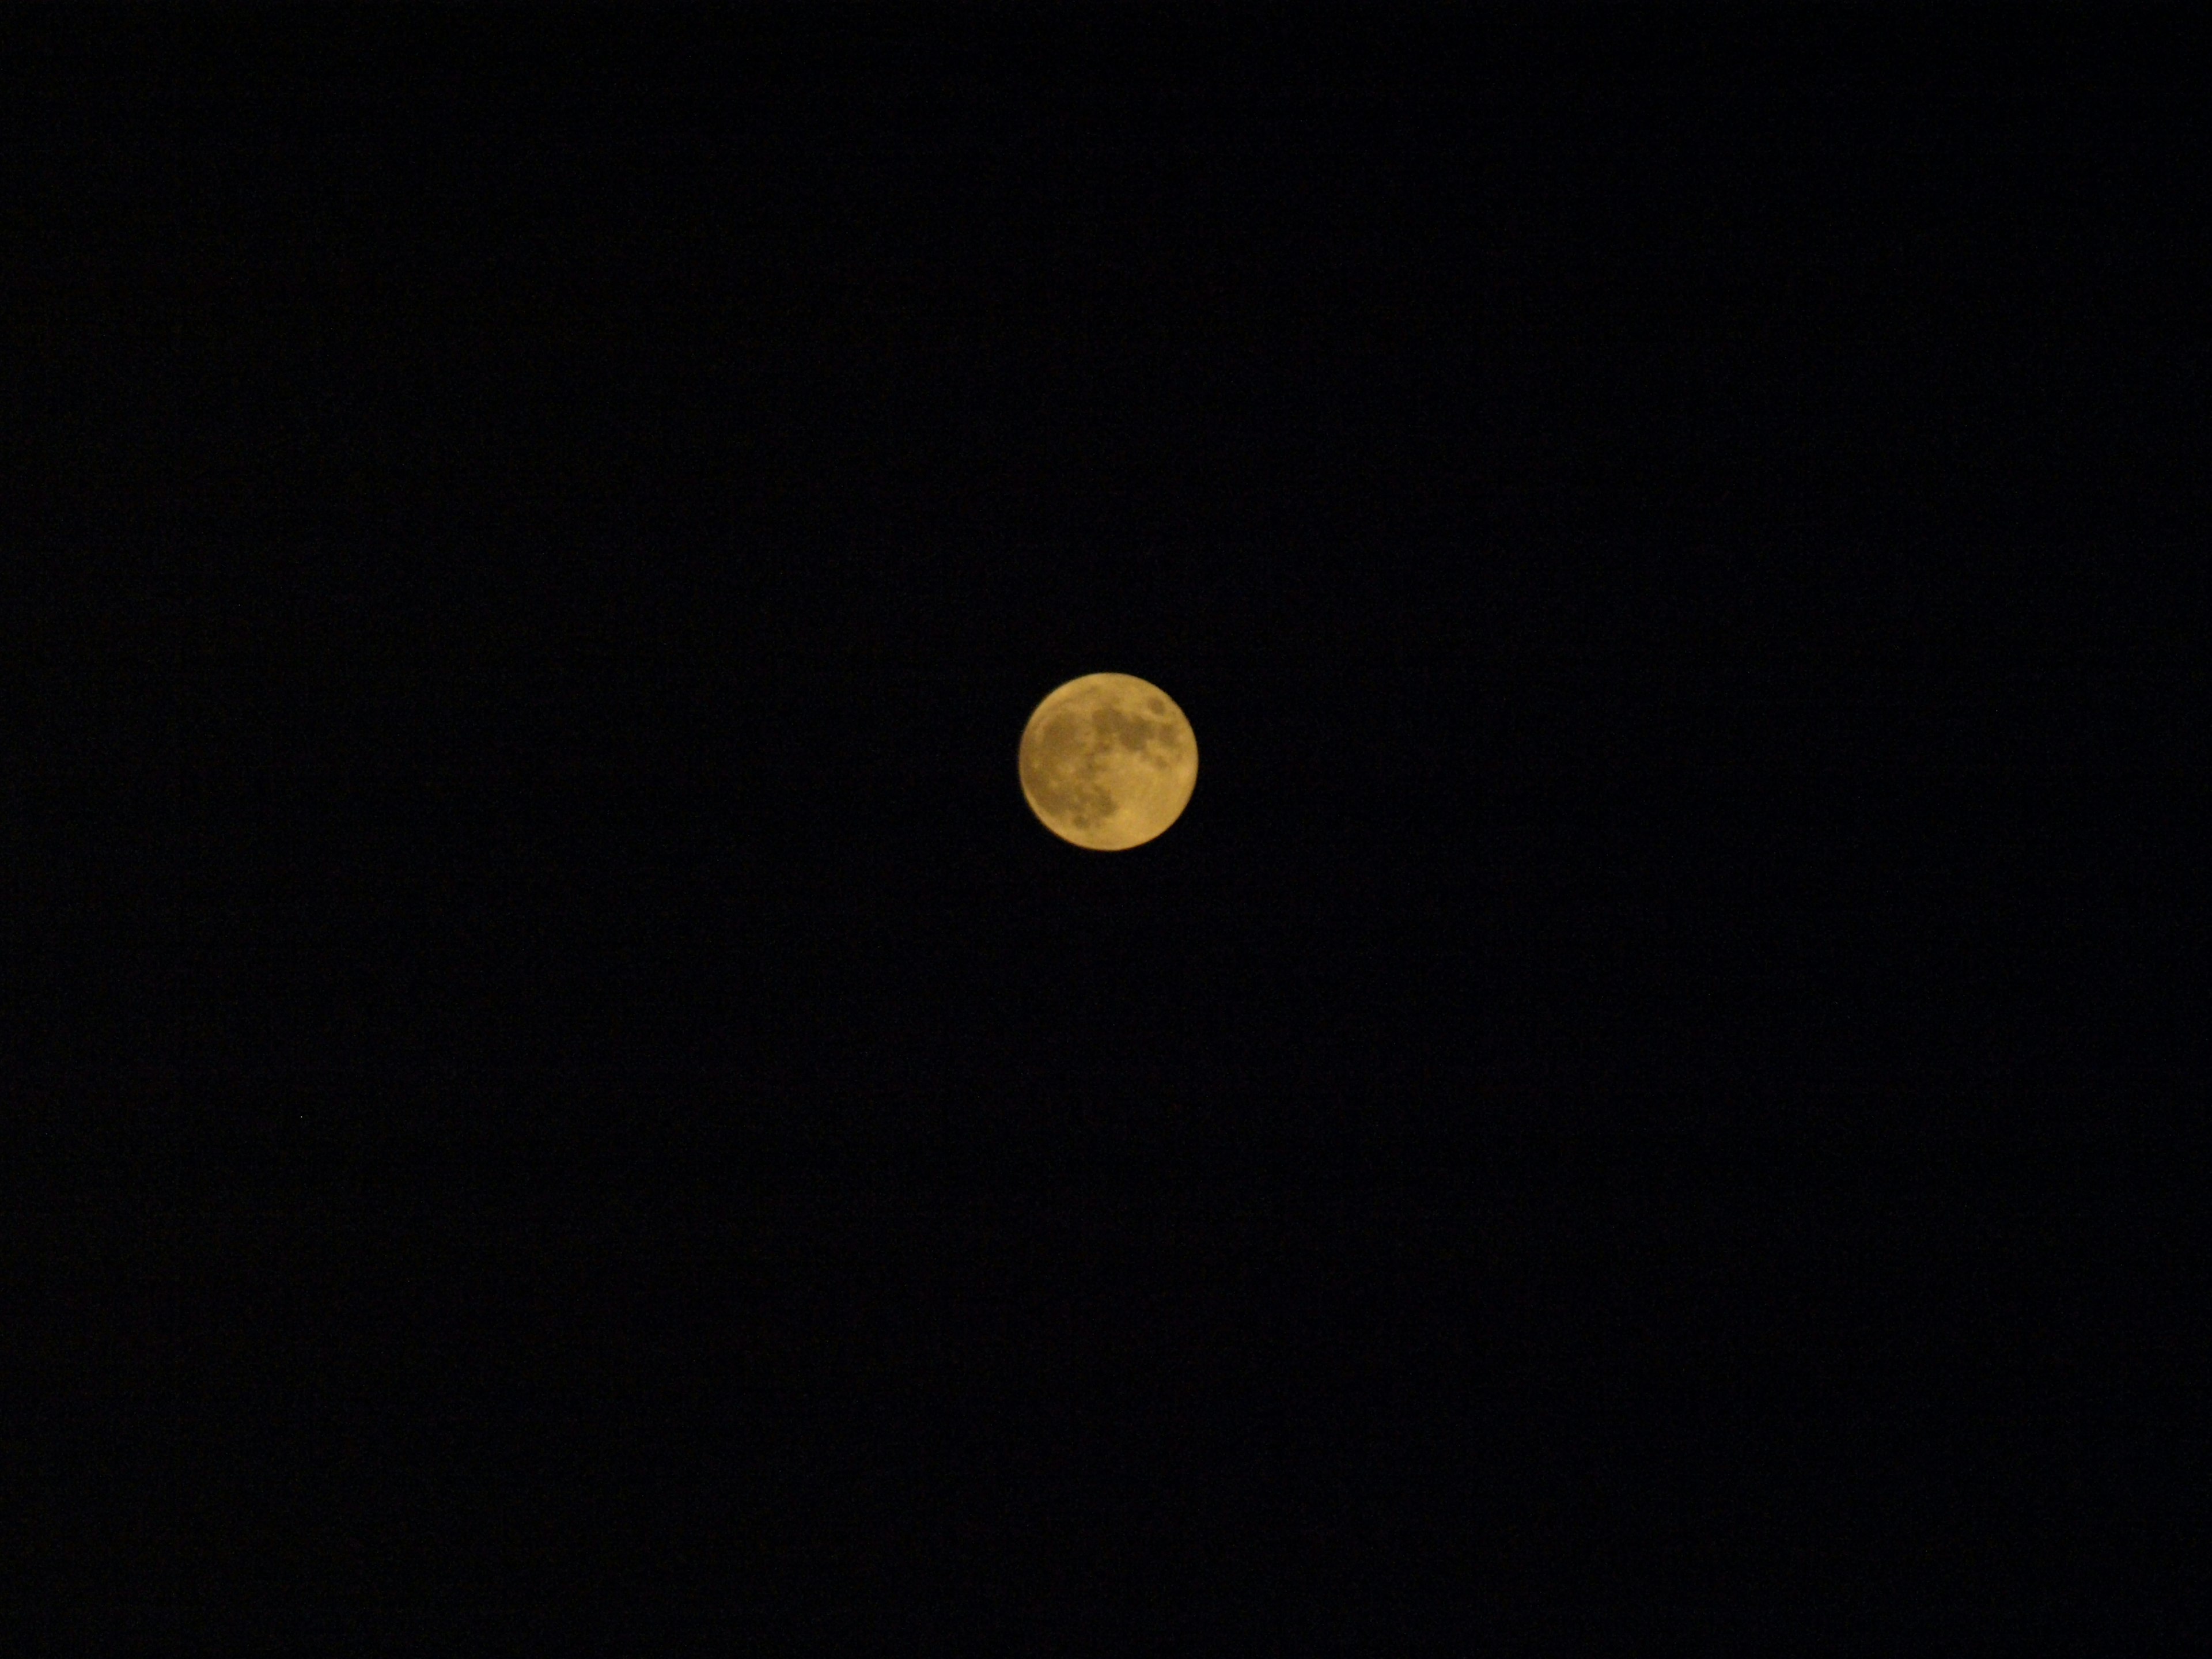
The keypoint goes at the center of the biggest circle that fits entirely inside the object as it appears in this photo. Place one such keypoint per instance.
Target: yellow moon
(1107, 762)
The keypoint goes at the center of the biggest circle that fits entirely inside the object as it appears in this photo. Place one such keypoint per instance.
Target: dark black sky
(558, 1086)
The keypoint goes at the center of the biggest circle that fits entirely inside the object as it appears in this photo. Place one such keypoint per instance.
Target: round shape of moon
(1107, 762)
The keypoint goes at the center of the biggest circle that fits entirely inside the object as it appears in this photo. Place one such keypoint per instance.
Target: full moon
(1107, 762)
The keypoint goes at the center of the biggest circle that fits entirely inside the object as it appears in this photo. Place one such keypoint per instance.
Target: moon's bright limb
(1107, 762)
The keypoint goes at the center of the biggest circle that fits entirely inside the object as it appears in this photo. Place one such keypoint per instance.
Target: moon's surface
(1107, 762)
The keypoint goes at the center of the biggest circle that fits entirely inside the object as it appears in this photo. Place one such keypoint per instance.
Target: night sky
(558, 1091)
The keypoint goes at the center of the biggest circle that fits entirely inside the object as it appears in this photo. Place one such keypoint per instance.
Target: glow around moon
(1107, 762)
